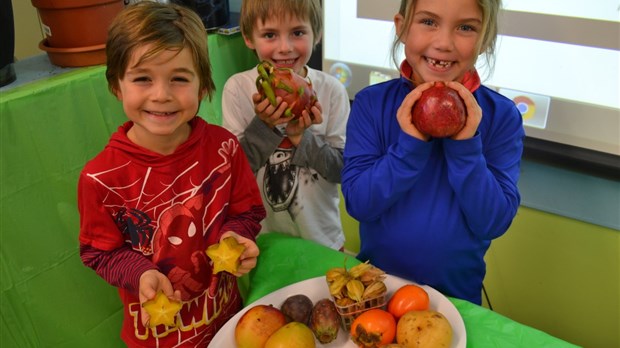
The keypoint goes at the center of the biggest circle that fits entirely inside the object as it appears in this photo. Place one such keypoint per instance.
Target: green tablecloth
(286, 260)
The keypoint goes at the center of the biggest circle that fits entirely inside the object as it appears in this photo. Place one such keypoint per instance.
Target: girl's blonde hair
(165, 27)
(486, 45)
(254, 10)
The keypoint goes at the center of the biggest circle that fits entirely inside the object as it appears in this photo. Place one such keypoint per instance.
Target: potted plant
(76, 30)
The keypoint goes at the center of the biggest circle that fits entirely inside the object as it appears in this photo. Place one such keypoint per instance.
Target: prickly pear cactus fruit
(325, 321)
(225, 255)
(296, 91)
(162, 310)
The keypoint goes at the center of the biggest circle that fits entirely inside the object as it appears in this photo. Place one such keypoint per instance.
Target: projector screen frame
(580, 154)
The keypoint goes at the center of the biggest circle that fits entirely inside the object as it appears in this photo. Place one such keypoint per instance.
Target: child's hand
(151, 282)
(247, 260)
(269, 114)
(295, 128)
(474, 112)
(403, 115)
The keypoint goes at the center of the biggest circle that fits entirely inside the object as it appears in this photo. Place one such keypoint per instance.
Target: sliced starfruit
(162, 310)
(225, 255)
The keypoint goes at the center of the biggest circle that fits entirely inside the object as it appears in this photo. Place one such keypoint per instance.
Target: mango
(257, 324)
(292, 335)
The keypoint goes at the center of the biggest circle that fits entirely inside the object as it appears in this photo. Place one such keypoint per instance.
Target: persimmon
(373, 328)
(408, 297)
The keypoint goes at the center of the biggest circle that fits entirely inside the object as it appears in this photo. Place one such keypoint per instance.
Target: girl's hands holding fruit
(403, 115)
(474, 112)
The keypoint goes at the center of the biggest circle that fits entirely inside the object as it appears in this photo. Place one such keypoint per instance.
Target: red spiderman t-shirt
(170, 208)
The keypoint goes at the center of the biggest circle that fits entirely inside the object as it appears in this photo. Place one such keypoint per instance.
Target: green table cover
(285, 260)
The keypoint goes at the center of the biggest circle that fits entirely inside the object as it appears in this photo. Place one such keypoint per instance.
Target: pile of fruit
(403, 320)
(295, 324)
(406, 320)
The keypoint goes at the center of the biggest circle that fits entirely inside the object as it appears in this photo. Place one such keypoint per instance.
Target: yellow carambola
(162, 310)
(225, 255)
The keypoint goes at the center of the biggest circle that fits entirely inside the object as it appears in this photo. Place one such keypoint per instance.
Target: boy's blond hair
(165, 27)
(254, 10)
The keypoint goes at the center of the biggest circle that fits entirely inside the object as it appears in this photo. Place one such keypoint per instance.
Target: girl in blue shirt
(429, 207)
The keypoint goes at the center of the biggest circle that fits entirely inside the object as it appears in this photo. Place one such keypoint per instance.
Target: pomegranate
(440, 112)
(296, 91)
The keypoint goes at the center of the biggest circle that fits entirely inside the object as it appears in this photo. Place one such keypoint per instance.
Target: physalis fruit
(162, 310)
(225, 255)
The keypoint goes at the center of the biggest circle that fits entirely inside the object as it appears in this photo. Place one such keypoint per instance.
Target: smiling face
(160, 95)
(286, 42)
(442, 42)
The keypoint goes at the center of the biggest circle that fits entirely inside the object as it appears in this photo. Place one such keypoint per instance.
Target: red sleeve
(121, 267)
(246, 209)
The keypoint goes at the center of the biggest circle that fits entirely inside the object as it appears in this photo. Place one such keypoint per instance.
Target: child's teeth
(441, 63)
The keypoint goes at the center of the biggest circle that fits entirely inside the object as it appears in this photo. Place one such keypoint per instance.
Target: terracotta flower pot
(76, 23)
(74, 57)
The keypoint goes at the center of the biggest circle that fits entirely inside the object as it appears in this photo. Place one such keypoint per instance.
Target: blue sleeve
(483, 172)
(381, 162)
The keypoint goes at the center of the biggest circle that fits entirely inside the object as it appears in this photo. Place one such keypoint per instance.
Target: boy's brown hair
(254, 10)
(165, 27)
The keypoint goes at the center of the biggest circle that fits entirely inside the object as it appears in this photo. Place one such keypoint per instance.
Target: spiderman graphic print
(170, 209)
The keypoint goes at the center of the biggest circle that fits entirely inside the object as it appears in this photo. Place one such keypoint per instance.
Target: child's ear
(317, 39)
(399, 23)
(202, 94)
(117, 93)
(248, 42)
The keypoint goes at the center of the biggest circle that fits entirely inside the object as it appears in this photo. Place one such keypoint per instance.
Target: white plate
(316, 289)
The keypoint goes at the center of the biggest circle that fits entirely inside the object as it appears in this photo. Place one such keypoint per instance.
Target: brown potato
(424, 329)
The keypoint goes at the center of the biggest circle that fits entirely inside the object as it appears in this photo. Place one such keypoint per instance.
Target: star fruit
(162, 310)
(225, 255)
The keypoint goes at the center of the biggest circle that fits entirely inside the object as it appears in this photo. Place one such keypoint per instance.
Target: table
(285, 260)
(49, 128)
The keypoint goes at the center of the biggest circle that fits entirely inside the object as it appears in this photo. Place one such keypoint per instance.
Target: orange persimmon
(409, 297)
(373, 328)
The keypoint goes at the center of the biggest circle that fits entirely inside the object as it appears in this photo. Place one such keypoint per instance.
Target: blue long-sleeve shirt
(429, 210)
